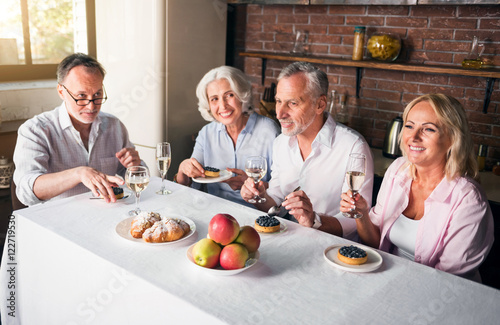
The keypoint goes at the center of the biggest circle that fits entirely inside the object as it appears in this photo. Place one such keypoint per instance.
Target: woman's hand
(189, 168)
(356, 203)
(237, 181)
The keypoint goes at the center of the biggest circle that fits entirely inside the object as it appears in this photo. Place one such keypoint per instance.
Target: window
(35, 35)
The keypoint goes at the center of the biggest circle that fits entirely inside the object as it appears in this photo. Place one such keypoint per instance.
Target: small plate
(224, 175)
(374, 260)
(254, 258)
(123, 230)
(283, 228)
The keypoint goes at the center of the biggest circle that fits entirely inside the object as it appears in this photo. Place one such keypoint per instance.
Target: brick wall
(430, 34)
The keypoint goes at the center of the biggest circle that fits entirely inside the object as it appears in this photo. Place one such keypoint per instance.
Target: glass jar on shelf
(384, 47)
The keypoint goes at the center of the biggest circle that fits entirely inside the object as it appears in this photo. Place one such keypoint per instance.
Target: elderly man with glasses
(74, 147)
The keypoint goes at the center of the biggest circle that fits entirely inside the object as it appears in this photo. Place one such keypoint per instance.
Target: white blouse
(403, 235)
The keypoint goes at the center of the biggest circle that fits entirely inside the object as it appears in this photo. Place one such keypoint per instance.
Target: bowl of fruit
(384, 47)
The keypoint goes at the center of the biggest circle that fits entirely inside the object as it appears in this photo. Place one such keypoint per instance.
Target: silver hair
(75, 60)
(238, 82)
(317, 80)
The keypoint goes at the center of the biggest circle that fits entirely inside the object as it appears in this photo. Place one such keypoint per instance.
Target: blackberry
(267, 221)
(117, 190)
(352, 251)
(212, 169)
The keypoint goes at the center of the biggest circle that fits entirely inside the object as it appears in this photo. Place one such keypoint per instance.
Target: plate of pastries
(213, 175)
(155, 229)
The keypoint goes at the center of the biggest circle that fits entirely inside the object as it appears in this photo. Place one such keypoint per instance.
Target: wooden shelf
(490, 74)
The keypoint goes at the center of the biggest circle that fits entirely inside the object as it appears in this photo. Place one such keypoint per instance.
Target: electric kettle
(391, 144)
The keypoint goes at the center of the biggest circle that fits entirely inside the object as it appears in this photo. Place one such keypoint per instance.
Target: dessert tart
(352, 255)
(212, 171)
(267, 224)
(118, 191)
(143, 221)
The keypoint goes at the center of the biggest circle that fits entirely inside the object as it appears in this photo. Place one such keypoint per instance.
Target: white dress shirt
(322, 174)
(48, 143)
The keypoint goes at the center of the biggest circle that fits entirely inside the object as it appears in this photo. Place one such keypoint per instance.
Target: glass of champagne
(137, 179)
(256, 169)
(163, 158)
(355, 177)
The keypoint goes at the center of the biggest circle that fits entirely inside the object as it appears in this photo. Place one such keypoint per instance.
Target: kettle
(391, 146)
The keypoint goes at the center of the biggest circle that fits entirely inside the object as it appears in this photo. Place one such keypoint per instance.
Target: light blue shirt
(214, 148)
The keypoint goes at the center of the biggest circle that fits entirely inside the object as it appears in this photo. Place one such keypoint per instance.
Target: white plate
(126, 194)
(283, 228)
(374, 260)
(224, 175)
(123, 230)
(219, 270)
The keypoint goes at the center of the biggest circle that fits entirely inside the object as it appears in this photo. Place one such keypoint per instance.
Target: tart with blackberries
(267, 224)
(211, 171)
(352, 255)
(118, 191)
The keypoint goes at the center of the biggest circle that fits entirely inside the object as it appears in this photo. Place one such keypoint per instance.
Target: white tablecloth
(71, 267)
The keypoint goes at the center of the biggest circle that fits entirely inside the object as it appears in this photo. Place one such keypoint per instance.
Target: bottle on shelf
(359, 41)
(332, 108)
(342, 115)
(481, 157)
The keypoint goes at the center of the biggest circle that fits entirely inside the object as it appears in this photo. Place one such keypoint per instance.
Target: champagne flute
(355, 177)
(137, 179)
(256, 169)
(163, 158)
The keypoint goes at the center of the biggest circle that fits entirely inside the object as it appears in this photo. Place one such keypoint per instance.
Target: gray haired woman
(233, 134)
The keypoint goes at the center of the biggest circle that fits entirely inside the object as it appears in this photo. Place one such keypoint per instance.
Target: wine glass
(137, 179)
(163, 157)
(256, 169)
(355, 176)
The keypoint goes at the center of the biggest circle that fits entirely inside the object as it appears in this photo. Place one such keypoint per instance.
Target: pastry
(142, 222)
(212, 172)
(165, 230)
(352, 255)
(267, 224)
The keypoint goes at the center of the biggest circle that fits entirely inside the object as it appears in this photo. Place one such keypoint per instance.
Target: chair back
(16, 204)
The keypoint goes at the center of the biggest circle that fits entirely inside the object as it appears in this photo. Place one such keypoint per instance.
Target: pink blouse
(456, 232)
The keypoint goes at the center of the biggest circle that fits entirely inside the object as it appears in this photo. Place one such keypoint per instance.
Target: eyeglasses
(85, 102)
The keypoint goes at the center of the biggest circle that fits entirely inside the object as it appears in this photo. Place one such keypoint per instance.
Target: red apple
(250, 238)
(223, 229)
(206, 253)
(233, 256)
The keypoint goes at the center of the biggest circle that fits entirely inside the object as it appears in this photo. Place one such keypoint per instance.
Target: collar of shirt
(324, 137)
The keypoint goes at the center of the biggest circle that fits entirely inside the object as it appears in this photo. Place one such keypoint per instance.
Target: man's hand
(128, 157)
(300, 207)
(99, 183)
(237, 181)
(249, 189)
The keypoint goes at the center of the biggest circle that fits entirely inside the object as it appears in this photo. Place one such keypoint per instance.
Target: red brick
(323, 10)
(253, 36)
(401, 86)
(479, 11)
(364, 21)
(482, 35)
(382, 95)
(427, 33)
(252, 9)
(429, 57)
(495, 131)
(453, 46)
(453, 23)
(383, 74)
(312, 29)
(254, 46)
(318, 49)
(347, 10)
(489, 23)
(433, 11)
(484, 129)
(406, 22)
(388, 10)
(325, 39)
(261, 19)
(399, 31)
(326, 20)
(452, 91)
(426, 78)
(278, 9)
(469, 82)
(293, 19)
(279, 28)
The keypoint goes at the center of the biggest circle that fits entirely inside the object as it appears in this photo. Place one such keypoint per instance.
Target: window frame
(30, 71)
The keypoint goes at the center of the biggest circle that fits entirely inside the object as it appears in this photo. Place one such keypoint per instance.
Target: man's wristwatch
(317, 221)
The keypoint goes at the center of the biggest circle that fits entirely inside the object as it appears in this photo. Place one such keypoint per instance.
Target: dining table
(69, 262)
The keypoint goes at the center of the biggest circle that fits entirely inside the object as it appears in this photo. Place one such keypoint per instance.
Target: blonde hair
(238, 82)
(460, 158)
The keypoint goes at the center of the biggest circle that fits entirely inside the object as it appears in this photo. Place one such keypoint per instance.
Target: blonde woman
(430, 208)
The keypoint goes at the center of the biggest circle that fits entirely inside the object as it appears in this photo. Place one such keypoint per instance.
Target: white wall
(155, 52)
